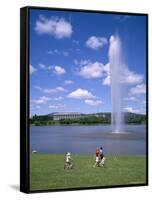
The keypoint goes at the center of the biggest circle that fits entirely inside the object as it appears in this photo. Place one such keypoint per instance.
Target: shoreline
(31, 125)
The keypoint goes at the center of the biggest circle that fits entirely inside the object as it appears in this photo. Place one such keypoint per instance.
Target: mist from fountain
(116, 70)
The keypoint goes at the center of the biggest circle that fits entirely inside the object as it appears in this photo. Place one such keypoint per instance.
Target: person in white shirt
(68, 157)
(68, 161)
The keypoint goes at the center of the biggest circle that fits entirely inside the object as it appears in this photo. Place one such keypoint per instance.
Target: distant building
(67, 115)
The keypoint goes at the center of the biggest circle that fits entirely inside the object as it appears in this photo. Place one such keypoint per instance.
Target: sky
(69, 61)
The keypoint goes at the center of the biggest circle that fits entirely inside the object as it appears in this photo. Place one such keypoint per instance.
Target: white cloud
(58, 70)
(122, 18)
(81, 94)
(61, 89)
(75, 42)
(58, 106)
(95, 43)
(56, 51)
(81, 62)
(44, 98)
(106, 68)
(51, 90)
(139, 89)
(54, 90)
(53, 106)
(42, 66)
(93, 102)
(134, 99)
(32, 69)
(56, 27)
(76, 62)
(65, 53)
(50, 67)
(128, 77)
(129, 109)
(84, 62)
(68, 82)
(125, 75)
(45, 67)
(92, 70)
(41, 100)
(132, 110)
(107, 80)
(58, 98)
(38, 88)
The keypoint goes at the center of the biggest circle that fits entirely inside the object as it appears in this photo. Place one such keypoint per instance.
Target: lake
(85, 139)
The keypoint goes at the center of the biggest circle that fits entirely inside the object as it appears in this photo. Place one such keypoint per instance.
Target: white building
(67, 115)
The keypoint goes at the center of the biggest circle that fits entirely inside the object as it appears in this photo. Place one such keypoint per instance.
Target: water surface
(85, 139)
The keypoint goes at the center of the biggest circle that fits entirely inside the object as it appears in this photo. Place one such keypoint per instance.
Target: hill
(84, 119)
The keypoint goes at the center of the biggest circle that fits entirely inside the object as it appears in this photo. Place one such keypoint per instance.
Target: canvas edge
(24, 101)
(24, 104)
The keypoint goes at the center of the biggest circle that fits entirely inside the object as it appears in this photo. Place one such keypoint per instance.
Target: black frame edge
(24, 136)
(147, 100)
(87, 10)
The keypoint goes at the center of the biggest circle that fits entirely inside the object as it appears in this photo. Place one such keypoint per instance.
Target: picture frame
(49, 27)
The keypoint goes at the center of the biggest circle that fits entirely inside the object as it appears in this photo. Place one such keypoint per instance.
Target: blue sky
(69, 63)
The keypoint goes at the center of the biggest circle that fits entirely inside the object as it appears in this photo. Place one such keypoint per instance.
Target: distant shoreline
(32, 125)
(94, 119)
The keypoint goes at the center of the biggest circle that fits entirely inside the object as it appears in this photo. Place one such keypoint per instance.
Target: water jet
(116, 70)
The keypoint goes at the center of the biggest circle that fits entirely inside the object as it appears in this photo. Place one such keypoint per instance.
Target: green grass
(46, 172)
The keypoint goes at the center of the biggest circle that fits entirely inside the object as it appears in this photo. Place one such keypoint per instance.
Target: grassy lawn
(46, 171)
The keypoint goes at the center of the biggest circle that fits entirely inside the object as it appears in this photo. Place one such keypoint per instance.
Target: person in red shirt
(97, 158)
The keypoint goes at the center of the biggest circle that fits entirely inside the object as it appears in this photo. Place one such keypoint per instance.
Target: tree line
(45, 120)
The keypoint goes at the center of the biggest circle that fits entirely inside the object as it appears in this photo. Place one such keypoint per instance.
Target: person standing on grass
(97, 158)
(102, 157)
(101, 153)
